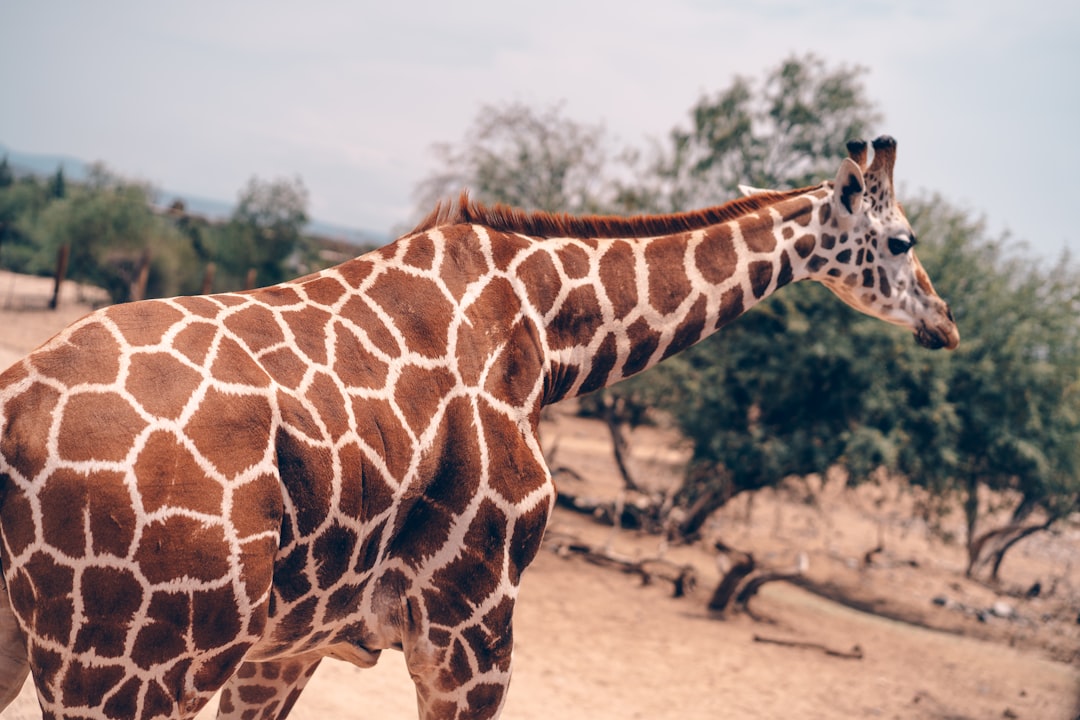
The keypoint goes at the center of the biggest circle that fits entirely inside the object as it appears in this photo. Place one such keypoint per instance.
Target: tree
(803, 382)
(21, 237)
(1013, 387)
(756, 412)
(112, 233)
(58, 185)
(266, 227)
(6, 176)
(787, 131)
(519, 156)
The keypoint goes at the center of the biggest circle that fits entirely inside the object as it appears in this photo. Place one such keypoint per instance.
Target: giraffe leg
(266, 690)
(464, 685)
(14, 665)
(463, 672)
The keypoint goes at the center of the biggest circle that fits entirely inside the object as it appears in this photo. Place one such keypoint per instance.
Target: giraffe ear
(749, 190)
(848, 189)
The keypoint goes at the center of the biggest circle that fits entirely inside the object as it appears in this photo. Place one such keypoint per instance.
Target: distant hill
(30, 164)
(76, 170)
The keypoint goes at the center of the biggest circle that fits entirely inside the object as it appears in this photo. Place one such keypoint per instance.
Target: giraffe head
(866, 255)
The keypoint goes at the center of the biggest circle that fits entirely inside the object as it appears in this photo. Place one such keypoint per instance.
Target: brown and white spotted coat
(218, 492)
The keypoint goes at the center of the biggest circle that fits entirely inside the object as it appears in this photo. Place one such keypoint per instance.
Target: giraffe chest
(381, 526)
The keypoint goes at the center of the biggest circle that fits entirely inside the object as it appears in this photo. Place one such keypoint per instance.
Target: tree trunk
(62, 256)
(208, 278)
(613, 407)
(142, 277)
(971, 515)
(711, 500)
(999, 554)
(991, 546)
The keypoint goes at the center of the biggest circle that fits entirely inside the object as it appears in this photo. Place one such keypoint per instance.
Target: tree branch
(855, 653)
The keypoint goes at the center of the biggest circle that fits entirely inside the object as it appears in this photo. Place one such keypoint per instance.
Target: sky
(198, 96)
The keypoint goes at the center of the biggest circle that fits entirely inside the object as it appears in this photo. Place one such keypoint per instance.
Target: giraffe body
(218, 492)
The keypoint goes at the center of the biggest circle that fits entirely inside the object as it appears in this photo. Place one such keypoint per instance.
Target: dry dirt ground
(595, 643)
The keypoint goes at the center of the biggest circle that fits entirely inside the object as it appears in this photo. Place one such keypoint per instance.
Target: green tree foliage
(58, 185)
(111, 232)
(6, 176)
(21, 203)
(266, 228)
(113, 229)
(803, 382)
(513, 154)
(775, 395)
(1013, 387)
(788, 130)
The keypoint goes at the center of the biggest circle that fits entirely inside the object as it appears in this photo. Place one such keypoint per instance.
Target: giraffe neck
(626, 304)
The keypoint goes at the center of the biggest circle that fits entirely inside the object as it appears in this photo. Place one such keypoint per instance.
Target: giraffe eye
(900, 245)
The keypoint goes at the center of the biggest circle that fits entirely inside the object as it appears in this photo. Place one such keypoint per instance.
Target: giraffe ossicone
(216, 492)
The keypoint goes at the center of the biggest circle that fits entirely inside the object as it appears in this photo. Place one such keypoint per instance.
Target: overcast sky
(982, 96)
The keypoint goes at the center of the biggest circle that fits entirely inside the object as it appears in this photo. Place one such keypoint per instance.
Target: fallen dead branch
(855, 653)
(868, 556)
(744, 565)
(632, 510)
(745, 578)
(683, 578)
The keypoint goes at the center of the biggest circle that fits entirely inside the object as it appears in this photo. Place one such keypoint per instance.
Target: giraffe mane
(541, 224)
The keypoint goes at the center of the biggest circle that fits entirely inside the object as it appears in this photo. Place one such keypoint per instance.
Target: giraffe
(217, 492)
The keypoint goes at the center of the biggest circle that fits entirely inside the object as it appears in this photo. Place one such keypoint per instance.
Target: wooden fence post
(138, 288)
(62, 256)
(208, 278)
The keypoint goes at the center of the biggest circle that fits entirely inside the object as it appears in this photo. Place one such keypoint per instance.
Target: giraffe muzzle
(935, 338)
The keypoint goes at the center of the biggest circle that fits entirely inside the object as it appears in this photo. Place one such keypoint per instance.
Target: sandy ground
(595, 643)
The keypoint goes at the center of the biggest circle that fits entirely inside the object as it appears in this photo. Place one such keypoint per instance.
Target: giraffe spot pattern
(805, 245)
(258, 326)
(171, 477)
(616, 271)
(644, 341)
(247, 416)
(98, 426)
(112, 609)
(202, 557)
(578, 317)
(761, 274)
(234, 365)
(20, 443)
(161, 384)
(731, 306)
(757, 233)
(89, 357)
(424, 315)
(668, 282)
(716, 256)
